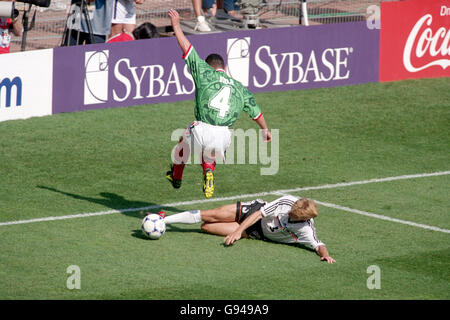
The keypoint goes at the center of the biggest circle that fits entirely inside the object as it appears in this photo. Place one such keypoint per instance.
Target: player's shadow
(130, 208)
(137, 233)
(114, 201)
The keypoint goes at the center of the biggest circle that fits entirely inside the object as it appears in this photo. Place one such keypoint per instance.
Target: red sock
(177, 172)
(206, 165)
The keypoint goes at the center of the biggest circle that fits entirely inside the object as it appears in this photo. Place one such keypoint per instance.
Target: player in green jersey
(219, 100)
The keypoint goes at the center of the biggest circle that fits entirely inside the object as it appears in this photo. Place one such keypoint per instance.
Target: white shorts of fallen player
(123, 12)
(207, 142)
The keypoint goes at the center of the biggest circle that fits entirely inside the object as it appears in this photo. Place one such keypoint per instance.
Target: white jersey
(277, 226)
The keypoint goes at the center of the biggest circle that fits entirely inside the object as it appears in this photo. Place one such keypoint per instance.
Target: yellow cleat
(208, 183)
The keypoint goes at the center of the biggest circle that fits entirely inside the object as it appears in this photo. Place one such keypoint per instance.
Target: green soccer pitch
(110, 162)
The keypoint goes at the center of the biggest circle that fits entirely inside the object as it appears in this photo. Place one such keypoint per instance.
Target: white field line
(374, 215)
(378, 216)
(237, 197)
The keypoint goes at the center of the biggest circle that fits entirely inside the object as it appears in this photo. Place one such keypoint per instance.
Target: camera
(7, 10)
(39, 3)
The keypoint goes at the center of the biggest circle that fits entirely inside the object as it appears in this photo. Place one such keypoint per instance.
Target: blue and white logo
(8, 89)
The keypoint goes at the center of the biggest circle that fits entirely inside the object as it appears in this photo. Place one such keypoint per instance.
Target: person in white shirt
(287, 219)
(124, 16)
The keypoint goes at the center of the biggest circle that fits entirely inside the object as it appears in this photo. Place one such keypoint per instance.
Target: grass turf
(116, 159)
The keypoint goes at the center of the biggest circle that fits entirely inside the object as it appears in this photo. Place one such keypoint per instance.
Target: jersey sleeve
(278, 206)
(195, 64)
(308, 236)
(250, 105)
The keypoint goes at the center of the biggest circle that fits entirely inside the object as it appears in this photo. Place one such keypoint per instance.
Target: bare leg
(116, 28)
(219, 221)
(197, 6)
(214, 10)
(222, 228)
(226, 213)
(201, 25)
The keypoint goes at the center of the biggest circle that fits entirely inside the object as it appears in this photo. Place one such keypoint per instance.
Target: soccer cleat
(169, 176)
(162, 214)
(208, 183)
(202, 25)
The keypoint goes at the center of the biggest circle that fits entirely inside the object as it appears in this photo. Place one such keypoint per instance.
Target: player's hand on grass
(174, 17)
(267, 136)
(328, 259)
(232, 237)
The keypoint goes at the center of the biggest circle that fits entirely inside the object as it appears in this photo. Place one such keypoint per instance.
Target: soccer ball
(153, 226)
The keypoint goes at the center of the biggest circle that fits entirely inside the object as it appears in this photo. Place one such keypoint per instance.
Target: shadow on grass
(114, 201)
(292, 245)
(131, 208)
(136, 209)
(137, 233)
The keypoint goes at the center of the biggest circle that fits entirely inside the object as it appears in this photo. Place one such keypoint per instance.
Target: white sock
(187, 217)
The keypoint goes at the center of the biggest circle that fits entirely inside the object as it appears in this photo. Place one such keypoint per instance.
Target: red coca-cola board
(415, 39)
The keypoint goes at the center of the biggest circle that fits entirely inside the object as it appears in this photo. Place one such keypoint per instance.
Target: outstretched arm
(236, 235)
(179, 34)
(323, 253)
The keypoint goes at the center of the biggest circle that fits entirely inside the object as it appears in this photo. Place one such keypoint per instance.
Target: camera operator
(9, 25)
(79, 30)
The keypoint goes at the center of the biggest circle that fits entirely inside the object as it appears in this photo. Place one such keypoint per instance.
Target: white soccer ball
(153, 226)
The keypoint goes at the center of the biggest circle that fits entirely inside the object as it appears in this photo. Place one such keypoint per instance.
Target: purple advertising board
(152, 71)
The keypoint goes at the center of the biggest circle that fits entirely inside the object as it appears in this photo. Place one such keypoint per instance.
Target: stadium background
(50, 22)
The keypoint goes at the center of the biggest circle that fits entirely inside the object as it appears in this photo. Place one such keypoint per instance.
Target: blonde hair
(304, 209)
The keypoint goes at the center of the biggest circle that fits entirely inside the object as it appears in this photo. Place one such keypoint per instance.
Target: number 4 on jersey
(221, 101)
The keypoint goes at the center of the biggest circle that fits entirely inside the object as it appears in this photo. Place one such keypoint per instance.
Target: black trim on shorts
(238, 212)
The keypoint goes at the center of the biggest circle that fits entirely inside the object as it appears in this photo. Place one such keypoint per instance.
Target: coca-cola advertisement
(415, 39)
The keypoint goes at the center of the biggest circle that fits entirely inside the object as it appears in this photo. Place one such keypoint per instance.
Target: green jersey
(219, 99)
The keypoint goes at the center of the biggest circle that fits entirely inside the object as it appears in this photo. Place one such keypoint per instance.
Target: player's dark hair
(215, 61)
(145, 31)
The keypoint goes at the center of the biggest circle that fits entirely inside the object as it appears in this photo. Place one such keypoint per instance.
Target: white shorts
(207, 141)
(123, 12)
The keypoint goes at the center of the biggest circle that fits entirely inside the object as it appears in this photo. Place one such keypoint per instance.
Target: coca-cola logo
(424, 45)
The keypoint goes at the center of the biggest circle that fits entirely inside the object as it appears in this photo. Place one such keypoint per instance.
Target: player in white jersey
(288, 219)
